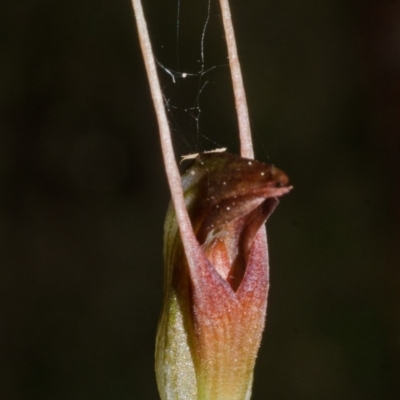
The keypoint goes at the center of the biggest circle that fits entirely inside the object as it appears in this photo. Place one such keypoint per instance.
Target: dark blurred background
(83, 193)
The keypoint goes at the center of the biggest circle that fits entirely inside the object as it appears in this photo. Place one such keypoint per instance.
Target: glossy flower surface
(215, 302)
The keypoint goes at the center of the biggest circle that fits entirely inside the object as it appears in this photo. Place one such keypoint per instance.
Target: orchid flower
(215, 304)
(215, 254)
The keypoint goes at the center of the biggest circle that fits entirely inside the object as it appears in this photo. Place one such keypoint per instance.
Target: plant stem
(246, 143)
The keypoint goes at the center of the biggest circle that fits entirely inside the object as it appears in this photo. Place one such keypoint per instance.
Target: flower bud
(214, 305)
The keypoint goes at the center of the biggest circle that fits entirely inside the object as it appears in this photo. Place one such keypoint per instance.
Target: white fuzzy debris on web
(195, 155)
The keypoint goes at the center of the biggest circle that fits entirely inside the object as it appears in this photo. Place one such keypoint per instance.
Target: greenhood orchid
(215, 305)
(215, 253)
